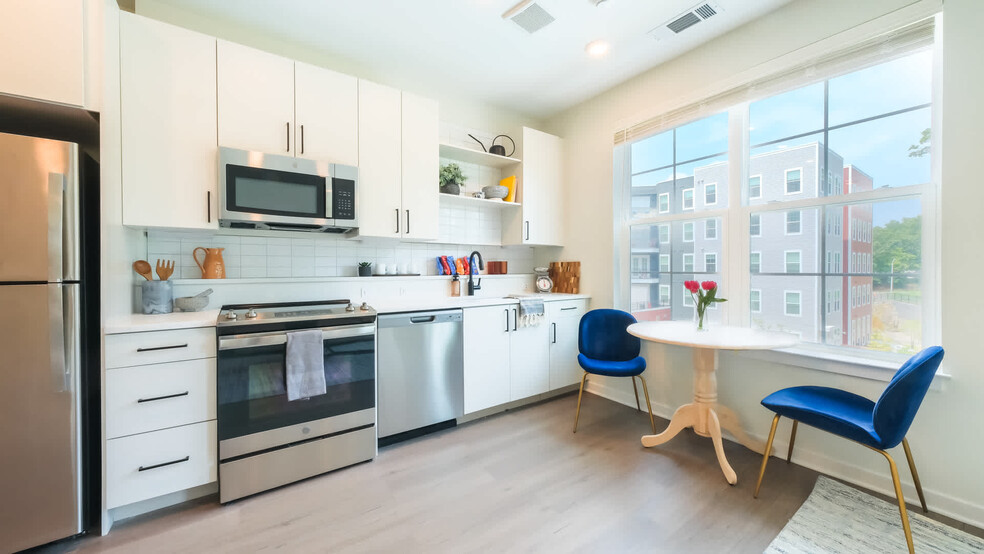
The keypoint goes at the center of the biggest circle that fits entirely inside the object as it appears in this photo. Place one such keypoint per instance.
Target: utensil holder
(157, 297)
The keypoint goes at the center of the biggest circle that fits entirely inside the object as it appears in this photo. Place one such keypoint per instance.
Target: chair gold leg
(649, 406)
(765, 455)
(915, 476)
(577, 414)
(901, 499)
(792, 439)
(635, 389)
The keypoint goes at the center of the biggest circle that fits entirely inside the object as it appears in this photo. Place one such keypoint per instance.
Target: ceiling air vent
(686, 20)
(529, 15)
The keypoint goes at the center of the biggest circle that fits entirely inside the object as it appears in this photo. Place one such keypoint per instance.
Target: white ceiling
(465, 48)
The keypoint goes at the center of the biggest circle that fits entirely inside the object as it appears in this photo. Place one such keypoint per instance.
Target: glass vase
(701, 320)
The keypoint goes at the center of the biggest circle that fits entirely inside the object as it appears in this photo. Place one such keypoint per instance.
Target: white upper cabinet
(380, 165)
(326, 115)
(255, 100)
(540, 182)
(43, 50)
(421, 165)
(168, 119)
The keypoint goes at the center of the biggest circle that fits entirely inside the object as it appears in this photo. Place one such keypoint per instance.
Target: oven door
(252, 394)
(274, 190)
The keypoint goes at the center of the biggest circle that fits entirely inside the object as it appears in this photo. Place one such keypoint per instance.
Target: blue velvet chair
(877, 425)
(607, 349)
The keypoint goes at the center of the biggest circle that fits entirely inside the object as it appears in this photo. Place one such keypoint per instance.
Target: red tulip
(709, 285)
(692, 286)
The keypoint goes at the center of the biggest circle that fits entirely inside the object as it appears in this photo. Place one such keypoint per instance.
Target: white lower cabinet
(505, 362)
(160, 413)
(564, 319)
(486, 363)
(147, 465)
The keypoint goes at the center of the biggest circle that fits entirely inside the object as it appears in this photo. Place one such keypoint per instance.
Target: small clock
(543, 281)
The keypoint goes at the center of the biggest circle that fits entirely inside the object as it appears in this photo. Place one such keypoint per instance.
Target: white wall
(946, 436)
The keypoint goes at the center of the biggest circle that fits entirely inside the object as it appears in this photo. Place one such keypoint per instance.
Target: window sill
(841, 364)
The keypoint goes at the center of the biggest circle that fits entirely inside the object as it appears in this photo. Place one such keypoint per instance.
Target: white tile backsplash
(250, 256)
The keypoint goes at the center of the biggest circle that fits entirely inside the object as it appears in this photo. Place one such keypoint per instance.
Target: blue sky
(879, 147)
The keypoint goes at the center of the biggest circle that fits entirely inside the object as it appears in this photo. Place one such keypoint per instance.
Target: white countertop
(136, 323)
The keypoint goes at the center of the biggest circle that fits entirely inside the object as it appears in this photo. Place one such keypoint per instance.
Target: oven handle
(253, 340)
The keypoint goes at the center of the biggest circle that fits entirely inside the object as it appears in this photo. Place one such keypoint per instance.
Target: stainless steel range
(265, 440)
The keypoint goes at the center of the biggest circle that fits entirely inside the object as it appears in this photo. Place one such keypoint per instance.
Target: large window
(830, 199)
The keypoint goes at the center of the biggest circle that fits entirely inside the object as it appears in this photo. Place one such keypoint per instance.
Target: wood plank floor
(518, 481)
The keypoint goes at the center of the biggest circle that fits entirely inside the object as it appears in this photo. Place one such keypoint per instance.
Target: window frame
(683, 199)
(799, 223)
(785, 261)
(759, 268)
(735, 246)
(668, 261)
(706, 254)
(683, 231)
(759, 195)
(750, 308)
(683, 263)
(659, 203)
(709, 220)
(706, 186)
(669, 296)
(785, 302)
(759, 217)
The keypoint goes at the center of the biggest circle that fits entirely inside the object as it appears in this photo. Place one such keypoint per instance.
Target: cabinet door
(564, 369)
(255, 99)
(542, 188)
(529, 359)
(486, 343)
(380, 167)
(167, 97)
(421, 165)
(326, 105)
(43, 50)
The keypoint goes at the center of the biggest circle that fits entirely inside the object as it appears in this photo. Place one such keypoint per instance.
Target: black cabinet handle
(515, 318)
(569, 308)
(554, 341)
(142, 400)
(208, 207)
(408, 222)
(171, 463)
(153, 348)
(288, 136)
(398, 221)
(302, 139)
(507, 319)
(527, 224)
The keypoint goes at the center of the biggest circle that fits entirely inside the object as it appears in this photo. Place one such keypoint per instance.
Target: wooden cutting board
(566, 277)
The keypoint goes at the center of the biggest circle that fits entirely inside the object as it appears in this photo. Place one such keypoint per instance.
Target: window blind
(878, 49)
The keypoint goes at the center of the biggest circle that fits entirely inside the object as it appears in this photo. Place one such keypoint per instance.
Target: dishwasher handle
(423, 319)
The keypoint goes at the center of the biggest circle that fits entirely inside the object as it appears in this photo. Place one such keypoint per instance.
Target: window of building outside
(710, 229)
(710, 194)
(853, 154)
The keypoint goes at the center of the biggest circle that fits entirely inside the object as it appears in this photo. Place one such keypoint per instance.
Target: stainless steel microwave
(266, 191)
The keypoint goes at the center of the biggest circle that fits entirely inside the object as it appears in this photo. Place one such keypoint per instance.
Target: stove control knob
(231, 316)
(364, 307)
(251, 314)
(350, 307)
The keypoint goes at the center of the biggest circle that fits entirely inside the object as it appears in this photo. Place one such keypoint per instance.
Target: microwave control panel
(343, 199)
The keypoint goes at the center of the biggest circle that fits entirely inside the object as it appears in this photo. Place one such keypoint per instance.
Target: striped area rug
(838, 518)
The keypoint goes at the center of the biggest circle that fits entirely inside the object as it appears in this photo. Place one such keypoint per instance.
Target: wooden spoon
(143, 269)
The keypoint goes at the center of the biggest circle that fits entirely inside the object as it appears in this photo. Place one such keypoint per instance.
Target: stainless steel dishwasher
(420, 372)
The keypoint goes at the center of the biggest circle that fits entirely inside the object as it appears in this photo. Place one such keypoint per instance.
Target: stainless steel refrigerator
(40, 368)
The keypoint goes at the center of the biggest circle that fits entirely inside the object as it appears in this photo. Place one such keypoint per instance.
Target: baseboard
(944, 504)
(160, 502)
(473, 416)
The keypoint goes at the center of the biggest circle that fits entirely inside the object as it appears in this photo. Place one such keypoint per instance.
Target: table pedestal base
(705, 415)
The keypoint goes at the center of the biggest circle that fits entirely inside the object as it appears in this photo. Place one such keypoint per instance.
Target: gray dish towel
(531, 311)
(305, 364)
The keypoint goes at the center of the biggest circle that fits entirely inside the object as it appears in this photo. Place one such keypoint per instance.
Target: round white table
(704, 414)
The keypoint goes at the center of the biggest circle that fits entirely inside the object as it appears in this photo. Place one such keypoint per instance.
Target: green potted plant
(365, 269)
(451, 179)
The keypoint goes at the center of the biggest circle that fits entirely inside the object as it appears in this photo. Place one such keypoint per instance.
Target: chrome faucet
(472, 286)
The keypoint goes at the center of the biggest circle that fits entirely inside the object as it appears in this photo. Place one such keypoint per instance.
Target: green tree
(921, 149)
(898, 241)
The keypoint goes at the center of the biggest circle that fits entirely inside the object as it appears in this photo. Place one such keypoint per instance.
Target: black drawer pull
(155, 466)
(142, 400)
(571, 308)
(153, 348)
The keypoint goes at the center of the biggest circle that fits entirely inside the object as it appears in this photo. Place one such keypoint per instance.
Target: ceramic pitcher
(212, 266)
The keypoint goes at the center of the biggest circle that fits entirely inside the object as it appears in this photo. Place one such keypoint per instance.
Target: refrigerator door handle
(70, 218)
(56, 332)
(71, 323)
(56, 227)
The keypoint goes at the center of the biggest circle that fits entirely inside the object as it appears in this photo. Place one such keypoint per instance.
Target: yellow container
(510, 183)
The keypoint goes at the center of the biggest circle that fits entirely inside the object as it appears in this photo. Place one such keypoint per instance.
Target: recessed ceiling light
(597, 48)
